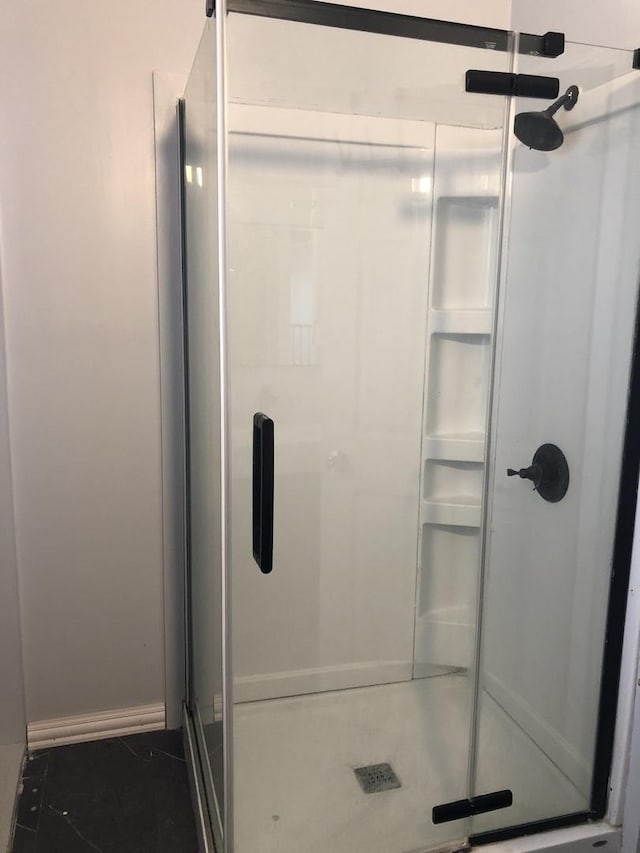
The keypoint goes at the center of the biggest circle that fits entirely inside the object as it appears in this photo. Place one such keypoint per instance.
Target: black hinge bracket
(550, 44)
(210, 8)
(504, 83)
(468, 808)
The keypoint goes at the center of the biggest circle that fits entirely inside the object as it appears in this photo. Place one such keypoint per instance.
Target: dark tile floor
(122, 795)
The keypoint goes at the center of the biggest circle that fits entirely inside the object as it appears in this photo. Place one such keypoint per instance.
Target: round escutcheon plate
(553, 480)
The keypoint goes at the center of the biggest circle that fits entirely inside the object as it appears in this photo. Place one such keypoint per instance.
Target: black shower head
(539, 129)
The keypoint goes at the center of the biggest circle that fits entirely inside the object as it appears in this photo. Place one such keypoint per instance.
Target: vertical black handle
(263, 492)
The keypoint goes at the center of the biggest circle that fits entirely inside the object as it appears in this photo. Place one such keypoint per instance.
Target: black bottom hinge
(468, 808)
(505, 83)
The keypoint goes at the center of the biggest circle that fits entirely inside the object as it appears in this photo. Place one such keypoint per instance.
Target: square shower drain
(376, 777)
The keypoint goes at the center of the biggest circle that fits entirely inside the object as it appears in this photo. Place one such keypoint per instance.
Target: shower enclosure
(390, 301)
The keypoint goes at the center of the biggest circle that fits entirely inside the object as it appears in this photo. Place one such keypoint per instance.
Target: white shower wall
(329, 254)
(331, 223)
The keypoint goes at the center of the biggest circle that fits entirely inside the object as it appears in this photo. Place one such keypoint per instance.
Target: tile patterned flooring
(122, 795)
(11, 757)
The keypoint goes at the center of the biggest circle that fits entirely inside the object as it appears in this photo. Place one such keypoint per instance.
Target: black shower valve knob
(531, 473)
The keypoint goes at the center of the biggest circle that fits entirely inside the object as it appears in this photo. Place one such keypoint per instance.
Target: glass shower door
(566, 330)
(363, 224)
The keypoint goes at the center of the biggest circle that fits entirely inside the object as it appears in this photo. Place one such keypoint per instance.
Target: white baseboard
(563, 754)
(253, 688)
(85, 727)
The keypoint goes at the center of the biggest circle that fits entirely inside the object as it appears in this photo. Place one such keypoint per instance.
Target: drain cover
(376, 777)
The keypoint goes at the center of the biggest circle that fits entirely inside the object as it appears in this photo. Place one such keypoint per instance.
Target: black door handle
(263, 492)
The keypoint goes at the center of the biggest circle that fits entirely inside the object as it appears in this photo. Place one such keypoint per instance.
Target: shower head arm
(568, 101)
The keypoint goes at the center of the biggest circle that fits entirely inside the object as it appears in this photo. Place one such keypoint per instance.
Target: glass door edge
(506, 180)
(206, 828)
(220, 18)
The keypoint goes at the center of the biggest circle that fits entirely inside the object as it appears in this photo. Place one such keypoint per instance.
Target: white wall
(12, 717)
(78, 202)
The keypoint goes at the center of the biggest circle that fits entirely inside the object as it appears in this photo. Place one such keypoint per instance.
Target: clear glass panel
(364, 201)
(568, 310)
(204, 419)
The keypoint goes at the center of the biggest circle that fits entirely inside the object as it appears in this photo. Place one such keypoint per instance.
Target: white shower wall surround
(454, 197)
(300, 181)
(324, 375)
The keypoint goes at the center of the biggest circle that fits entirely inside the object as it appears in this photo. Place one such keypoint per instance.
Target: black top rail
(550, 44)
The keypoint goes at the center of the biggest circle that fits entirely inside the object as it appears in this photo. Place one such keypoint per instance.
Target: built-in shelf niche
(444, 479)
(457, 383)
(449, 558)
(463, 447)
(463, 253)
(471, 321)
(452, 492)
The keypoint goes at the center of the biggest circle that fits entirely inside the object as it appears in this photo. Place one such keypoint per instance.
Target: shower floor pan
(296, 791)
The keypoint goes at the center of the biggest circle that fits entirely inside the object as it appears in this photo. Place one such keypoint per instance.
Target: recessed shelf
(444, 478)
(458, 383)
(464, 254)
(450, 561)
(461, 322)
(444, 643)
(456, 511)
(462, 447)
